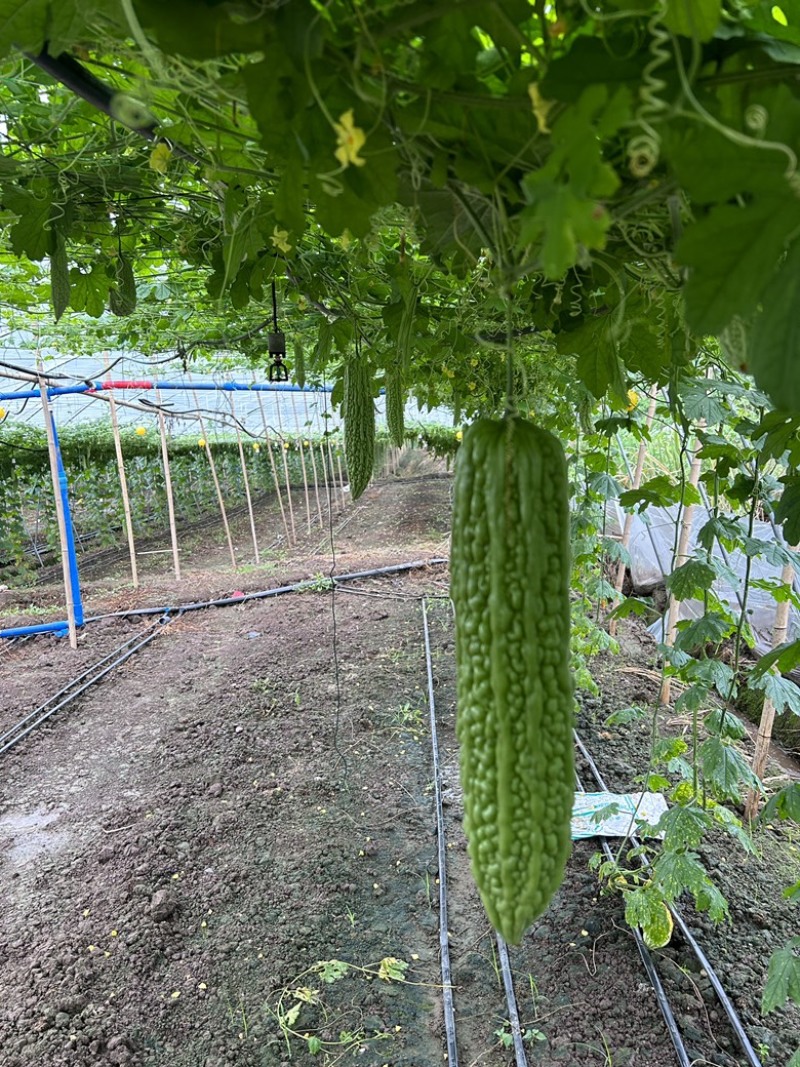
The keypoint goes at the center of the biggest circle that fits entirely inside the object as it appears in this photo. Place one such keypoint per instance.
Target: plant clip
(276, 344)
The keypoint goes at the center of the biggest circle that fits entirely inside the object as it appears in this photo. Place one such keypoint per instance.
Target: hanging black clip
(278, 371)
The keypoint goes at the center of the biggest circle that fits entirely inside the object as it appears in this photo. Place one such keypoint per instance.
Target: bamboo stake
(173, 530)
(764, 736)
(284, 450)
(246, 482)
(274, 468)
(220, 499)
(302, 464)
(123, 482)
(313, 459)
(637, 481)
(681, 557)
(69, 593)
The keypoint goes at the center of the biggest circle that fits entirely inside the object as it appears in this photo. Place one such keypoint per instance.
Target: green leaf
(731, 255)
(785, 804)
(30, 236)
(709, 629)
(784, 694)
(788, 508)
(724, 723)
(691, 579)
(783, 978)
(23, 23)
(622, 716)
(774, 348)
(683, 827)
(725, 769)
(782, 432)
(693, 18)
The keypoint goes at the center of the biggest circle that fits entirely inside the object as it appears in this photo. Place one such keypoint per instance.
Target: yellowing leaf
(160, 157)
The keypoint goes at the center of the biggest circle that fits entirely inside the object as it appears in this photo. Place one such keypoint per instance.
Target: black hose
(306, 584)
(702, 959)
(444, 946)
(16, 734)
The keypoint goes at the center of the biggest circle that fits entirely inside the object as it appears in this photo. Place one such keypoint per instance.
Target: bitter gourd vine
(359, 424)
(510, 588)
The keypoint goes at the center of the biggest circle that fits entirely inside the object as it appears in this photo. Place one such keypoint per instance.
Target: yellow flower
(140, 431)
(350, 140)
(459, 435)
(201, 442)
(633, 399)
(256, 446)
(279, 240)
(2, 413)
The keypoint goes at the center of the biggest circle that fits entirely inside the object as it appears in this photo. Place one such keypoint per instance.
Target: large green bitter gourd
(510, 587)
(359, 425)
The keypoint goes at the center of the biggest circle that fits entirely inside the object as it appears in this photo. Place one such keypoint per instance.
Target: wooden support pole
(313, 459)
(779, 634)
(681, 556)
(274, 469)
(220, 499)
(284, 450)
(123, 482)
(173, 530)
(628, 525)
(69, 593)
(246, 481)
(302, 464)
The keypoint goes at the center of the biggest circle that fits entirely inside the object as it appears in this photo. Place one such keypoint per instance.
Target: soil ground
(194, 850)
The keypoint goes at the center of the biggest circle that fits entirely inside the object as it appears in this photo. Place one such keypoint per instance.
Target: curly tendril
(644, 150)
(756, 118)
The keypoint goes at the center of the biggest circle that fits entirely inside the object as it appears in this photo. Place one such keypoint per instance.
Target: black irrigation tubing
(306, 585)
(90, 677)
(649, 966)
(702, 959)
(444, 946)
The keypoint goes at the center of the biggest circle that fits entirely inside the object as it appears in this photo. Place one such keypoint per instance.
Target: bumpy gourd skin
(359, 425)
(395, 406)
(510, 587)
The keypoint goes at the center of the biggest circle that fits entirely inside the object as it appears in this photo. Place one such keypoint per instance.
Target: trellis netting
(651, 547)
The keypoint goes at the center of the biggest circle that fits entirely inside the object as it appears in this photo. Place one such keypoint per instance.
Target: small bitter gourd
(395, 405)
(510, 588)
(359, 425)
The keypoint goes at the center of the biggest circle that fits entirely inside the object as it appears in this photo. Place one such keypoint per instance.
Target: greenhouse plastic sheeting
(629, 811)
(652, 542)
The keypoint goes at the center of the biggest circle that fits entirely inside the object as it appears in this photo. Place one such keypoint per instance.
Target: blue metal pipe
(60, 628)
(72, 556)
(99, 387)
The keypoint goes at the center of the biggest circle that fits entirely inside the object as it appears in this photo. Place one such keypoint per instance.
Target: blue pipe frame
(60, 628)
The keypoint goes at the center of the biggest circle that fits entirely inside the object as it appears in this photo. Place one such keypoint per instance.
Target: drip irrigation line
(650, 967)
(89, 678)
(444, 946)
(702, 959)
(306, 585)
(511, 1002)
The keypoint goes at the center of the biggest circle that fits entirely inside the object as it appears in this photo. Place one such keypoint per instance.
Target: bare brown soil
(187, 847)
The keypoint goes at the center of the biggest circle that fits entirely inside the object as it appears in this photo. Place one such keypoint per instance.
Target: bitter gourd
(359, 425)
(395, 405)
(510, 588)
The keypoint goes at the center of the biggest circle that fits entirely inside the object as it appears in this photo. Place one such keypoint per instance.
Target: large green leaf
(30, 236)
(693, 18)
(783, 978)
(731, 255)
(24, 23)
(774, 346)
